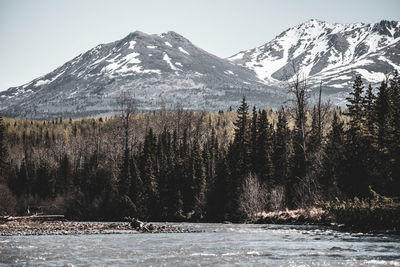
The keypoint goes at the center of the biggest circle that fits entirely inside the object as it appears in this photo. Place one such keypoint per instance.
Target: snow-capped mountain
(169, 69)
(329, 52)
(153, 68)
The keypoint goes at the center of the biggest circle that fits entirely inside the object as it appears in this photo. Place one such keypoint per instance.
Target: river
(218, 244)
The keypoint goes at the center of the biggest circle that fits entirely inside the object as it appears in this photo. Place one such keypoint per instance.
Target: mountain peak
(314, 21)
(389, 23)
(388, 28)
(150, 66)
(135, 34)
(172, 33)
(328, 52)
(174, 36)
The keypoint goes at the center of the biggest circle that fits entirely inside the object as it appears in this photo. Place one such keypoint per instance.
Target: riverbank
(298, 216)
(348, 221)
(37, 227)
(365, 220)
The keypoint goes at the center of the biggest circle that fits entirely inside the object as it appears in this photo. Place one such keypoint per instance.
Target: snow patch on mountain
(44, 82)
(132, 45)
(183, 51)
(168, 60)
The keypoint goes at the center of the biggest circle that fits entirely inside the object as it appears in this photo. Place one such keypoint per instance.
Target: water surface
(219, 244)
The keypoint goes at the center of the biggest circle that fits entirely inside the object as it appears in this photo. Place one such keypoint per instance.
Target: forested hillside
(181, 165)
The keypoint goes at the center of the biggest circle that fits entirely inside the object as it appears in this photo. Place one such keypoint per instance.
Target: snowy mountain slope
(327, 52)
(154, 68)
(169, 69)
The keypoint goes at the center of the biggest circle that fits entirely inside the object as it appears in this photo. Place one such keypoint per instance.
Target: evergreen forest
(180, 165)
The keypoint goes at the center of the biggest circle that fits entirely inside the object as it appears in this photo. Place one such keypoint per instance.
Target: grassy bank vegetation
(375, 212)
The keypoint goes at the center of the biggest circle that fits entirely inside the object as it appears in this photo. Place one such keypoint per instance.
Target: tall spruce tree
(124, 179)
(263, 161)
(381, 153)
(151, 210)
(254, 141)
(242, 136)
(219, 203)
(198, 181)
(3, 153)
(238, 155)
(64, 176)
(355, 106)
(299, 167)
(369, 110)
(281, 149)
(383, 114)
(332, 164)
(394, 136)
(357, 178)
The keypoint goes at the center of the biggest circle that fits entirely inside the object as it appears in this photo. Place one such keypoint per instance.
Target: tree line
(183, 165)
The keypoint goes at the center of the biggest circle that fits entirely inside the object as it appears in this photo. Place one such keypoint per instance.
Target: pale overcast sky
(39, 35)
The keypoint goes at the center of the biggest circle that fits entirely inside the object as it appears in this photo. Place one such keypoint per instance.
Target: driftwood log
(33, 218)
(151, 228)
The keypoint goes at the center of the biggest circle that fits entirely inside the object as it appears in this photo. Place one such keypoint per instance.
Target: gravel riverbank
(29, 227)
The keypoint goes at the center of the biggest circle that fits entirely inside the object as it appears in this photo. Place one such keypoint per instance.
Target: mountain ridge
(168, 68)
(316, 47)
(154, 68)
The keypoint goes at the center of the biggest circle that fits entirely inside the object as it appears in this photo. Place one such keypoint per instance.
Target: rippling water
(219, 244)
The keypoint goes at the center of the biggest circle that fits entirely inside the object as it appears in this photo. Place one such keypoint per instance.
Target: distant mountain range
(169, 69)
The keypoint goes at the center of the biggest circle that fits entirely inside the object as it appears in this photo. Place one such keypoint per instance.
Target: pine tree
(315, 140)
(355, 106)
(281, 149)
(64, 176)
(238, 154)
(332, 164)
(44, 185)
(219, 202)
(124, 179)
(356, 177)
(3, 153)
(136, 194)
(369, 109)
(176, 198)
(163, 171)
(151, 210)
(383, 114)
(264, 151)
(393, 187)
(254, 141)
(242, 136)
(314, 151)
(198, 180)
(380, 153)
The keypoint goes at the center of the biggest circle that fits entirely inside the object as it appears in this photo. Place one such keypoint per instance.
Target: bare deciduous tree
(127, 107)
(297, 85)
(276, 198)
(253, 198)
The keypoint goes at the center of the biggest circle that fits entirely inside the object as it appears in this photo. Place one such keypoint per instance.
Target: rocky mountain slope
(329, 52)
(169, 69)
(153, 68)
